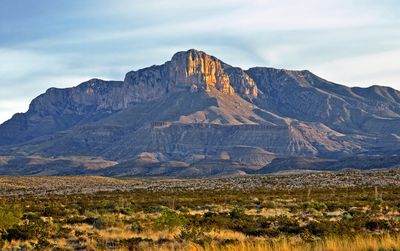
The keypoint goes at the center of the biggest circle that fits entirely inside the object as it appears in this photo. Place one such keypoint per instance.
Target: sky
(62, 43)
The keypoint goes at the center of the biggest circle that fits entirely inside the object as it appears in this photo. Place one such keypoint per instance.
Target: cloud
(365, 70)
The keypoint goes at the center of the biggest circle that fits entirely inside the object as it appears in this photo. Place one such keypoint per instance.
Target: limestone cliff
(190, 70)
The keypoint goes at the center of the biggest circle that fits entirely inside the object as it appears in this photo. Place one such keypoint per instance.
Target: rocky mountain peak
(188, 70)
(200, 70)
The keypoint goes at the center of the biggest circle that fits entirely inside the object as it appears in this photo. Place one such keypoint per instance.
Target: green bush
(54, 210)
(63, 232)
(105, 221)
(136, 227)
(29, 230)
(347, 216)
(270, 204)
(9, 216)
(195, 235)
(377, 225)
(169, 220)
(237, 213)
(288, 225)
(319, 206)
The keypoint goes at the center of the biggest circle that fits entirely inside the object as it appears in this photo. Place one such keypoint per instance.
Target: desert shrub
(253, 230)
(293, 207)
(54, 210)
(81, 220)
(169, 220)
(376, 206)
(30, 216)
(9, 216)
(252, 226)
(29, 230)
(228, 242)
(270, 204)
(121, 244)
(316, 228)
(43, 244)
(288, 225)
(136, 227)
(347, 216)
(75, 219)
(184, 210)
(319, 206)
(376, 224)
(334, 205)
(195, 235)
(105, 221)
(79, 233)
(63, 232)
(237, 213)
(82, 206)
(307, 236)
(125, 211)
(357, 212)
(206, 222)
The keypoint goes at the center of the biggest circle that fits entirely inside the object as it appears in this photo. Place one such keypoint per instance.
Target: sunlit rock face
(189, 70)
(204, 71)
(199, 69)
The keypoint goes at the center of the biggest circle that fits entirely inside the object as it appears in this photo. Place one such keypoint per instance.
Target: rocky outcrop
(190, 70)
(199, 70)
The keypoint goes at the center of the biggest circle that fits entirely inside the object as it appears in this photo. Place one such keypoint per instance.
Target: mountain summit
(191, 70)
(197, 116)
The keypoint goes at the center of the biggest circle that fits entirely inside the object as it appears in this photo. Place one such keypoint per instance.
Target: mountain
(196, 116)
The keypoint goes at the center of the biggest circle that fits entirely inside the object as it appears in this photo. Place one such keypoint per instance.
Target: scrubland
(174, 215)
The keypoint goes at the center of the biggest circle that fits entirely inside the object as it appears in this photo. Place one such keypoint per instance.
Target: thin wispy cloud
(61, 43)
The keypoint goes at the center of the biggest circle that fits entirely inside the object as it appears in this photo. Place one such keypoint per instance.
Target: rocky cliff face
(199, 71)
(191, 70)
(196, 108)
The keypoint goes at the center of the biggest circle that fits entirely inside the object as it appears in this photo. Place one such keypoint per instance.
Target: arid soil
(13, 185)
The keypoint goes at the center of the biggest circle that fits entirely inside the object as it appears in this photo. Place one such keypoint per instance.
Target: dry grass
(358, 243)
(269, 212)
(241, 242)
(227, 234)
(120, 234)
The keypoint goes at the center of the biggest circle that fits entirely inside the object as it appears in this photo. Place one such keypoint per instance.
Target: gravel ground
(24, 185)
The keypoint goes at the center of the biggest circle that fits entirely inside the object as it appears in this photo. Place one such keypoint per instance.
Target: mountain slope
(304, 96)
(361, 162)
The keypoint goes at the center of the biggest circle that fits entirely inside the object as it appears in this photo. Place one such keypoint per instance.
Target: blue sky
(63, 43)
